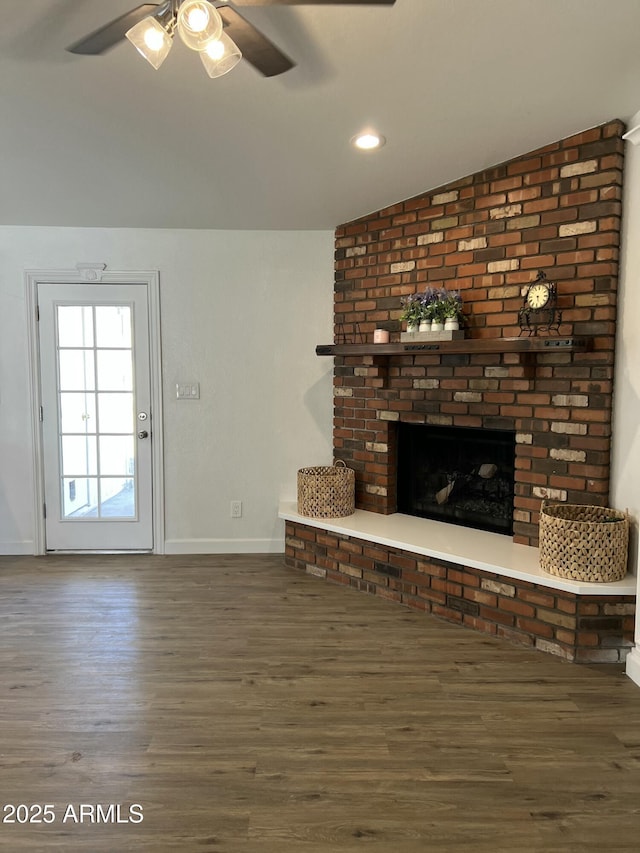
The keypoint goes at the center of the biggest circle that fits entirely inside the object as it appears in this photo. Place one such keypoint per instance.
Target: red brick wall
(586, 628)
(557, 209)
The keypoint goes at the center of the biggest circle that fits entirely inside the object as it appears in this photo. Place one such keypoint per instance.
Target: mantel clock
(539, 312)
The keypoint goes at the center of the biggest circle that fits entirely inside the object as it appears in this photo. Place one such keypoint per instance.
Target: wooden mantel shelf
(467, 345)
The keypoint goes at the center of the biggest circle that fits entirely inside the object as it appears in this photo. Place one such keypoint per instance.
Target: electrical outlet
(236, 509)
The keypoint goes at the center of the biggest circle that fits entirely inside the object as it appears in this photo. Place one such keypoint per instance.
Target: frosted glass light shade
(199, 23)
(151, 40)
(220, 56)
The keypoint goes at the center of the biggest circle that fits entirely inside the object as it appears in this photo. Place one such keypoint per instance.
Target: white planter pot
(451, 325)
(425, 326)
(412, 329)
(436, 327)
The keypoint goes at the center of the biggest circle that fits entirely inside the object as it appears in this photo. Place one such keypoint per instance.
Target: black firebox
(458, 475)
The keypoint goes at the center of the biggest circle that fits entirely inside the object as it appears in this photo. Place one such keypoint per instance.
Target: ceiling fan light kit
(199, 26)
(218, 33)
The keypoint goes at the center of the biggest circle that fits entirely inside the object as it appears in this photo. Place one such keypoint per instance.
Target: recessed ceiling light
(368, 141)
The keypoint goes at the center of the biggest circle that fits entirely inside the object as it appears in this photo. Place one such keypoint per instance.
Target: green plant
(412, 309)
(452, 306)
(438, 307)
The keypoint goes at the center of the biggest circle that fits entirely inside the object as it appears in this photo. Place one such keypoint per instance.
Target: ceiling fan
(218, 32)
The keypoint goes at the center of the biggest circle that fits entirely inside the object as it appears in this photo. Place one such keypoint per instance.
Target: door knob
(143, 434)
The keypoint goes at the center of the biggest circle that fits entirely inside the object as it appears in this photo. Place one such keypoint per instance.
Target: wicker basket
(586, 543)
(326, 491)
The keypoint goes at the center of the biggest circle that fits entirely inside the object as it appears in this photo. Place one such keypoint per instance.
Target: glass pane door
(95, 385)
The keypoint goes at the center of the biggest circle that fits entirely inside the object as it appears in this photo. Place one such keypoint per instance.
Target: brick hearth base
(581, 628)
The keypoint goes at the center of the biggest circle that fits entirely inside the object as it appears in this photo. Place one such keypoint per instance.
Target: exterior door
(96, 420)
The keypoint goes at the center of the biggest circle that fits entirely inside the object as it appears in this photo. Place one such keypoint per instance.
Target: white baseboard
(633, 665)
(17, 549)
(177, 546)
(224, 546)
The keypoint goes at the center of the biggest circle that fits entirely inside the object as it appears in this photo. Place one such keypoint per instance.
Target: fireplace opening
(458, 475)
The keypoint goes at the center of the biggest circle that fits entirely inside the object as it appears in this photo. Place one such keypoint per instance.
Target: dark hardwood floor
(248, 708)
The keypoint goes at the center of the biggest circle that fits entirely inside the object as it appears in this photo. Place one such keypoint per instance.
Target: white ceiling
(454, 85)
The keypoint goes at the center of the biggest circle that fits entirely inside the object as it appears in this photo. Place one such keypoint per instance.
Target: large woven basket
(326, 491)
(586, 543)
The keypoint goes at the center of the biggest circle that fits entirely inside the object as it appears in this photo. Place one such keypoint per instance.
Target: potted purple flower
(452, 311)
(429, 299)
(412, 311)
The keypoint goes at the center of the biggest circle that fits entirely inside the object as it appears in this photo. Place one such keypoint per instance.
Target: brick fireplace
(557, 209)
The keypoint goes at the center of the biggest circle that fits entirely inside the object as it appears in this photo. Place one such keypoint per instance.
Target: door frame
(88, 274)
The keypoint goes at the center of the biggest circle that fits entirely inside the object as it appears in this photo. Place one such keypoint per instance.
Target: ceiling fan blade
(256, 48)
(314, 2)
(102, 39)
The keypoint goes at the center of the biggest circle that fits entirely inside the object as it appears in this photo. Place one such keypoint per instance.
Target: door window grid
(96, 391)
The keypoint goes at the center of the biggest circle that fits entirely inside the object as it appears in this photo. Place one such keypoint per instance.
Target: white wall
(625, 472)
(241, 313)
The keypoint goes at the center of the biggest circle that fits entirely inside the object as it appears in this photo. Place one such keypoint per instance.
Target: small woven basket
(326, 491)
(586, 543)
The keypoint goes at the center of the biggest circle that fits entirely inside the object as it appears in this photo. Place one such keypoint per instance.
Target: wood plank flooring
(249, 708)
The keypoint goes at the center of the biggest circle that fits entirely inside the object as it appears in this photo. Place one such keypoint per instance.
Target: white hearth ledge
(478, 549)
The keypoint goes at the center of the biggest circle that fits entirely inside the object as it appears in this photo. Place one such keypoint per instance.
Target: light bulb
(198, 19)
(368, 141)
(153, 39)
(220, 56)
(199, 23)
(215, 50)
